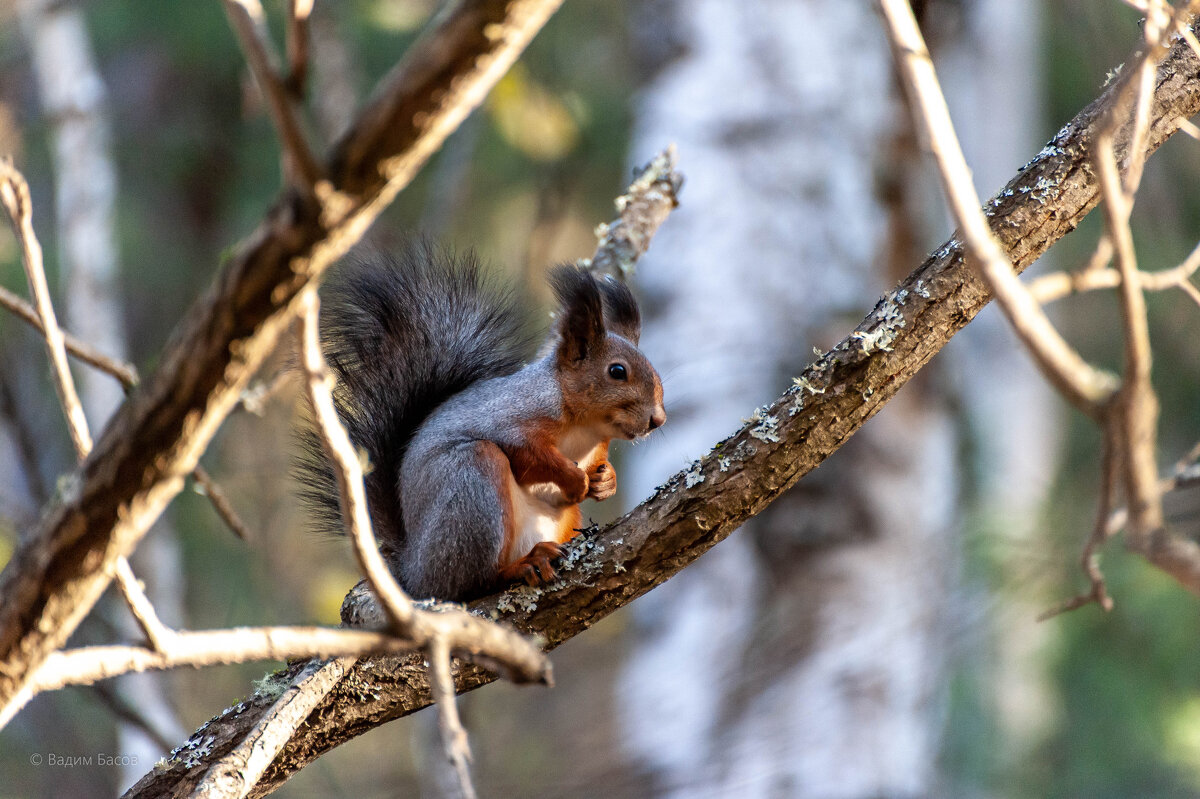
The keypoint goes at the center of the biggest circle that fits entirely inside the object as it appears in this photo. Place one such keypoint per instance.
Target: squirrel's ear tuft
(621, 314)
(581, 313)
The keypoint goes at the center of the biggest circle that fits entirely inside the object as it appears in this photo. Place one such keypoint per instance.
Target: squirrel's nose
(657, 418)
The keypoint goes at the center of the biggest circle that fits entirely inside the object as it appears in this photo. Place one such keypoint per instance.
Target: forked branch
(156, 438)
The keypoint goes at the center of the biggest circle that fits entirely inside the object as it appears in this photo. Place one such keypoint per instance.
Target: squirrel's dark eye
(617, 372)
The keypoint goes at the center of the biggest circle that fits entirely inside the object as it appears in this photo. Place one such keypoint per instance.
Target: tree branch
(157, 634)
(195, 648)
(85, 352)
(1136, 416)
(347, 470)
(155, 439)
(1101, 531)
(702, 505)
(642, 208)
(236, 773)
(14, 192)
(1057, 285)
(1084, 386)
(209, 487)
(454, 736)
(249, 23)
(299, 13)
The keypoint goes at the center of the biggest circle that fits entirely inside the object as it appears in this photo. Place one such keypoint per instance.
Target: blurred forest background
(1088, 704)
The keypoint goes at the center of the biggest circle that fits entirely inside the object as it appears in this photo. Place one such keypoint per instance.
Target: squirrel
(477, 460)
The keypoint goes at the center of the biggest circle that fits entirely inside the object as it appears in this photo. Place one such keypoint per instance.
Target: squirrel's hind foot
(534, 569)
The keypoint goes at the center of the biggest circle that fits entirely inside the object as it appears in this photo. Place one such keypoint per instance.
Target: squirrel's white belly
(537, 515)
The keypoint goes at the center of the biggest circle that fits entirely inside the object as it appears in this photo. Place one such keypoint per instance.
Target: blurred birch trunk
(990, 64)
(807, 654)
(74, 101)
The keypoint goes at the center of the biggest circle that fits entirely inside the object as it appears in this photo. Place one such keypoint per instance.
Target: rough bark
(745, 472)
(139, 464)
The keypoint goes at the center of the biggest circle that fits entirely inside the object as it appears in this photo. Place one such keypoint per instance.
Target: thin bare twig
(1084, 386)
(249, 23)
(1190, 289)
(1049, 288)
(85, 352)
(216, 495)
(85, 665)
(1189, 459)
(1101, 256)
(299, 12)
(1137, 414)
(1089, 558)
(158, 635)
(14, 192)
(1057, 285)
(1173, 277)
(1189, 128)
(1186, 474)
(1137, 411)
(129, 713)
(347, 468)
(1101, 532)
(1158, 20)
(454, 736)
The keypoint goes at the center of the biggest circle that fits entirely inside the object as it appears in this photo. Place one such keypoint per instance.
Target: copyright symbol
(35, 759)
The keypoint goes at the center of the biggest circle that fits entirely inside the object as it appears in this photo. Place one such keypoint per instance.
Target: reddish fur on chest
(537, 459)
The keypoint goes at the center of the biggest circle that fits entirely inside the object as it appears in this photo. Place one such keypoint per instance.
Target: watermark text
(94, 760)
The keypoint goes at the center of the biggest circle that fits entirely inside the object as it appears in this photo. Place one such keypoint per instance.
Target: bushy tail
(402, 334)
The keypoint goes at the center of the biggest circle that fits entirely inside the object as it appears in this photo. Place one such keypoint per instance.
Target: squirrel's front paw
(534, 569)
(575, 487)
(602, 481)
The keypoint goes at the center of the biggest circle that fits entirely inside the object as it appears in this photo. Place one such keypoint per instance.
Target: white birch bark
(782, 664)
(74, 100)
